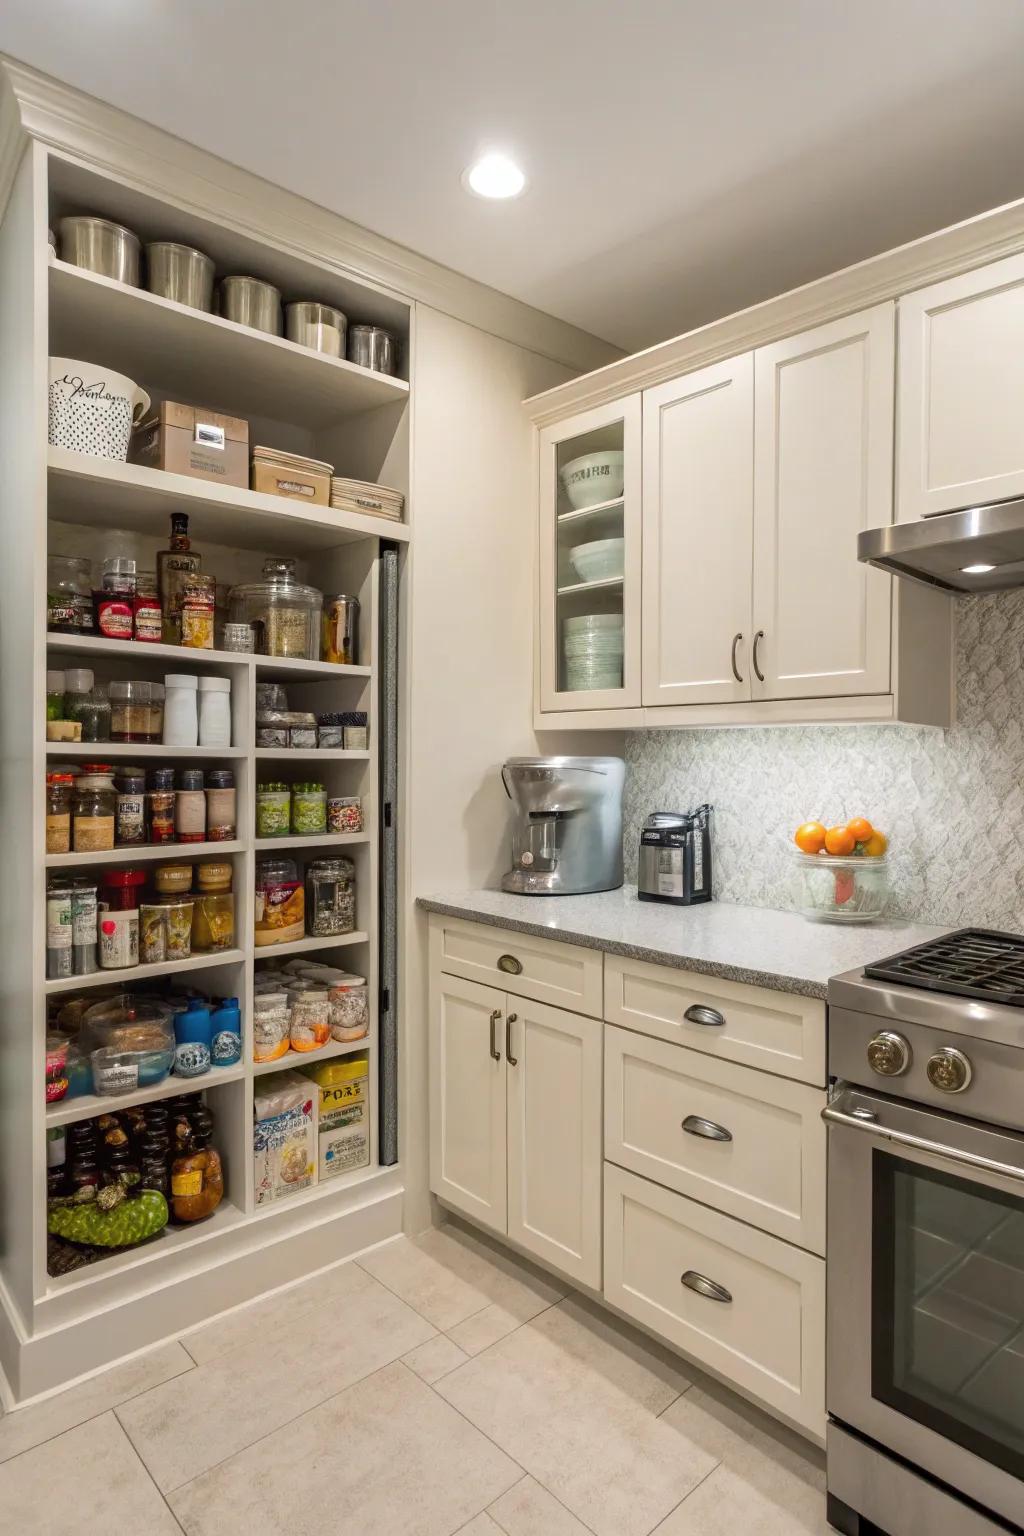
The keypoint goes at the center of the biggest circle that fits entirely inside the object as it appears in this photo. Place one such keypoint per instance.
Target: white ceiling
(685, 157)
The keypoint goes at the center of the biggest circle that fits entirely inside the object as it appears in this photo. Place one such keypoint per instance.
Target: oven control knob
(888, 1053)
(949, 1069)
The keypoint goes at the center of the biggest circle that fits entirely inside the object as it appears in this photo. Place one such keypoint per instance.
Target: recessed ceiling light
(976, 570)
(494, 175)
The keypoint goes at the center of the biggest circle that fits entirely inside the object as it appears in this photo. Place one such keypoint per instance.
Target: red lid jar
(120, 889)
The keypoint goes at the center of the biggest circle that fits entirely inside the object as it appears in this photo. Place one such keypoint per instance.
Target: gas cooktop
(973, 962)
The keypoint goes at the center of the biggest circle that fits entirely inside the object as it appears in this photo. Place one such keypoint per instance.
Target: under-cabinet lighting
(976, 570)
(494, 175)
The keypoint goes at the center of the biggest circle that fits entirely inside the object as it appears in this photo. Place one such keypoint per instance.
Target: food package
(188, 440)
(343, 1114)
(284, 1137)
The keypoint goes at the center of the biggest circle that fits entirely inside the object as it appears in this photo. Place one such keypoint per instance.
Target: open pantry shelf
(286, 755)
(268, 668)
(306, 945)
(155, 1251)
(88, 490)
(99, 751)
(292, 1059)
(326, 840)
(92, 316)
(146, 854)
(67, 1111)
(137, 973)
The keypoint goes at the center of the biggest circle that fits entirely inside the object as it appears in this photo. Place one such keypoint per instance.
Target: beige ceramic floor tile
(484, 1329)
(449, 1273)
(273, 1317)
(185, 1427)
(529, 1510)
(88, 1482)
(387, 1458)
(770, 1481)
(483, 1525)
(575, 1403)
(435, 1358)
(26, 1427)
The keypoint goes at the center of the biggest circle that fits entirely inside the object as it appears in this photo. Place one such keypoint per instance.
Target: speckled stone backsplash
(951, 802)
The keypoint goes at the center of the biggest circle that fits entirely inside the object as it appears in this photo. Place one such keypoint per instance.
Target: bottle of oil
(174, 566)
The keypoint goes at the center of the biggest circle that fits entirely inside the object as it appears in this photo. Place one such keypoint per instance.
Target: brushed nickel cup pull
(495, 1016)
(513, 1061)
(696, 1125)
(700, 1013)
(757, 670)
(705, 1287)
(735, 669)
(510, 965)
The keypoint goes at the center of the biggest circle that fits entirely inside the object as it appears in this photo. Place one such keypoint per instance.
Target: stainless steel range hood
(978, 550)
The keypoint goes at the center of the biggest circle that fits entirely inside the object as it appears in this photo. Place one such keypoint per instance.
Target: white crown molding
(973, 243)
(117, 144)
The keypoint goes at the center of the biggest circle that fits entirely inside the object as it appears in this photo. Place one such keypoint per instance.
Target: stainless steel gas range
(925, 1360)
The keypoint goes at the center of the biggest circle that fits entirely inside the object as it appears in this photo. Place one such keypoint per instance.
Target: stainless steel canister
(372, 347)
(181, 273)
(248, 301)
(318, 326)
(99, 246)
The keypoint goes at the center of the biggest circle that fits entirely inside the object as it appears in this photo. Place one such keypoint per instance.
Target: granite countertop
(752, 944)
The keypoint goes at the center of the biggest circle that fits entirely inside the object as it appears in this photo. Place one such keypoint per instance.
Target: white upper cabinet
(823, 446)
(589, 611)
(961, 391)
(697, 530)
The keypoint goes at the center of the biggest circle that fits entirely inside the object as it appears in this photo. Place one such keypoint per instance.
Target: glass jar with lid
(273, 809)
(131, 712)
(213, 920)
(87, 703)
(309, 809)
(280, 907)
(94, 809)
(69, 595)
(58, 812)
(330, 897)
(284, 613)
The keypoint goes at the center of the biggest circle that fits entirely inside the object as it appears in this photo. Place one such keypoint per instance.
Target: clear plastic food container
(840, 890)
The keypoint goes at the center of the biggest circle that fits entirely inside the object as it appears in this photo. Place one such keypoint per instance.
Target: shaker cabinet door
(698, 515)
(823, 465)
(961, 391)
(467, 1098)
(554, 1137)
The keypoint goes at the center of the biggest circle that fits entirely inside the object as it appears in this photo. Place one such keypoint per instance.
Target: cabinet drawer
(767, 1332)
(745, 1142)
(565, 975)
(775, 1031)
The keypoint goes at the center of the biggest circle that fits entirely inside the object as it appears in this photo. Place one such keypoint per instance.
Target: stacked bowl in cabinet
(592, 647)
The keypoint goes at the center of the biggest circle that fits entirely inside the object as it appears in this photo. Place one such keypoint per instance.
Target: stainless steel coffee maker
(567, 834)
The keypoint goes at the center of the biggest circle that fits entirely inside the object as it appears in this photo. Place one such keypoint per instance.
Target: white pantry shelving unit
(56, 501)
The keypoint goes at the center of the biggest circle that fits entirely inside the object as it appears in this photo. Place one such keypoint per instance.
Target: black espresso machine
(675, 857)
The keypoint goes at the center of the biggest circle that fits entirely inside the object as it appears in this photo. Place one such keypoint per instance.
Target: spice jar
(59, 957)
(181, 715)
(148, 612)
(280, 906)
(58, 812)
(213, 919)
(273, 810)
(130, 718)
(350, 1008)
(87, 704)
(270, 1026)
(309, 809)
(190, 808)
(344, 813)
(160, 806)
(309, 1025)
(55, 686)
(120, 889)
(330, 897)
(130, 830)
(198, 607)
(221, 822)
(94, 808)
(69, 595)
(115, 601)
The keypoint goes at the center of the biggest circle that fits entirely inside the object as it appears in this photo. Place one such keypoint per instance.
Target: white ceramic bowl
(593, 478)
(600, 560)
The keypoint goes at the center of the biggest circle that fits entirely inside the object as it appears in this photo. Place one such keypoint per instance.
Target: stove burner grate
(972, 962)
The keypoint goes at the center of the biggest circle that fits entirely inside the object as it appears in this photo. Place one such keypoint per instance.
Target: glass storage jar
(270, 1026)
(58, 812)
(213, 921)
(130, 711)
(280, 905)
(221, 823)
(148, 625)
(56, 686)
(309, 809)
(115, 600)
(330, 897)
(69, 595)
(841, 890)
(309, 1025)
(130, 1042)
(94, 809)
(87, 704)
(284, 613)
(273, 810)
(350, 1008)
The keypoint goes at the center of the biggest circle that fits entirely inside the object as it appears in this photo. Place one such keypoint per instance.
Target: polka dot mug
(93, 409)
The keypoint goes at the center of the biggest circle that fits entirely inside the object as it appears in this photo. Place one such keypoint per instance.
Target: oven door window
(948, 1307)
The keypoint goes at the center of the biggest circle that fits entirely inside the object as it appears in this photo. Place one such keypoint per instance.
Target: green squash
(130, 1222)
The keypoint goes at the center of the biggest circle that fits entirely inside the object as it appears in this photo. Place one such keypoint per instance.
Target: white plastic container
(215, 712)
(181, 715)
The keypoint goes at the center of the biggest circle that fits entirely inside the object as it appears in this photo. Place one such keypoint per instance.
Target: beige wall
(470, 682)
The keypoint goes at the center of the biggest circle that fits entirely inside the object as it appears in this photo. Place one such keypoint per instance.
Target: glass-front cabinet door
(590, 560)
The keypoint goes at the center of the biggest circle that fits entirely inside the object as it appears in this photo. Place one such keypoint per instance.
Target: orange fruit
(810, 837)
(875, 846)
(839, 841)
(861, 829)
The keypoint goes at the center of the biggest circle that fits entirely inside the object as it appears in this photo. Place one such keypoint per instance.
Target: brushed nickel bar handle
(513, 1061)
(705, 1287)
(495, 1016)
(696, 1125)
(735, 669)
